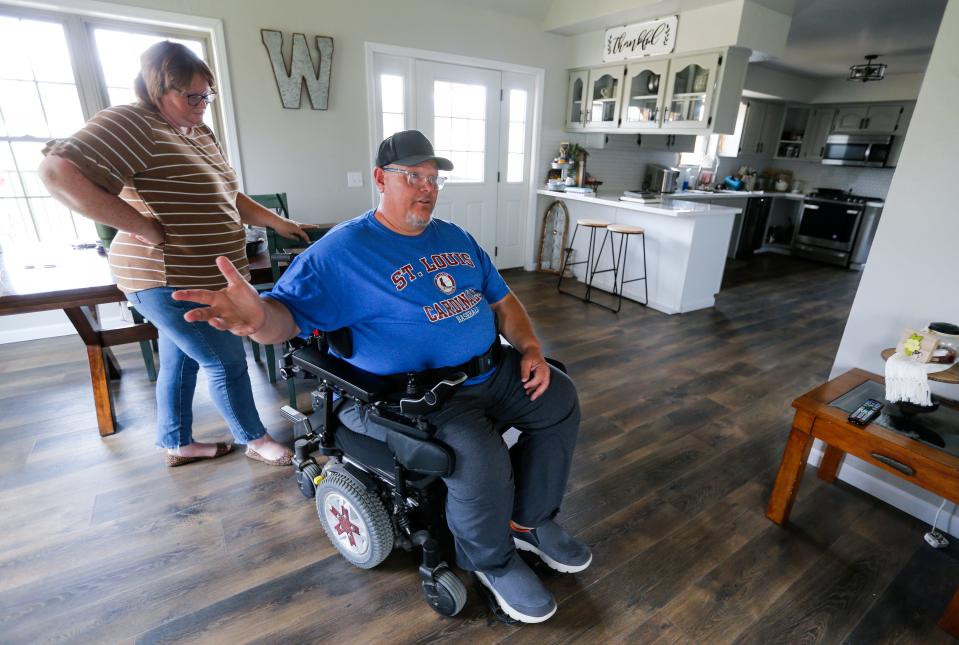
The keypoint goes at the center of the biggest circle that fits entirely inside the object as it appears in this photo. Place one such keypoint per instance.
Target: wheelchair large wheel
(354, 519)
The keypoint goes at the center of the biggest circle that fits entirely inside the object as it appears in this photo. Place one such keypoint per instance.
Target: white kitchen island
(686, 244)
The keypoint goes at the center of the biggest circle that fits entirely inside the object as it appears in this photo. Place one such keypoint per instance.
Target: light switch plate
(354, 180)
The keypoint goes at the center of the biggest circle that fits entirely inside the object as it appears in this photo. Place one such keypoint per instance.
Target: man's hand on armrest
(238, 309)
(514, 323)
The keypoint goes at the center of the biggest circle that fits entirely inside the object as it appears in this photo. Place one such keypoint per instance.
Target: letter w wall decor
(289, 80)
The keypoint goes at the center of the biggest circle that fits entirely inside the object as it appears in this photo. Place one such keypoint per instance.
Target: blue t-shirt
(413, 302)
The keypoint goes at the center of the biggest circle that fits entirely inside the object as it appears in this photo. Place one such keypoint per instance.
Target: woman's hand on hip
(236, 308)
(150, 232)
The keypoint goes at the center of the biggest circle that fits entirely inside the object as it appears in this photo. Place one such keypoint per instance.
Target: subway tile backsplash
(870, 182)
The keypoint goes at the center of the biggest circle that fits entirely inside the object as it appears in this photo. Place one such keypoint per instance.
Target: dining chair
(282, 251)
(279, 204)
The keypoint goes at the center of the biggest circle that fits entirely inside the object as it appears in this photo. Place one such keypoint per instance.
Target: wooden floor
(685, 418)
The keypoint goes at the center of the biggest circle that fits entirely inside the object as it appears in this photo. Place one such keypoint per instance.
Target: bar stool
(592, 225)
(625, 232)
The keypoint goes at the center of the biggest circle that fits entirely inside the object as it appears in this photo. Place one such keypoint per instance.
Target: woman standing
(156, 173)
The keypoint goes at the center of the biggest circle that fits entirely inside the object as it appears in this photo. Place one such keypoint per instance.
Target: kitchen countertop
(696, 194)
(673, 207)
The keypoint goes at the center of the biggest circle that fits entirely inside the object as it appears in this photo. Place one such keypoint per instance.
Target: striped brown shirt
(183, 180)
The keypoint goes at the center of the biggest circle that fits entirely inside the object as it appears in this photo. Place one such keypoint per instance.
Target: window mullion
(90, 84)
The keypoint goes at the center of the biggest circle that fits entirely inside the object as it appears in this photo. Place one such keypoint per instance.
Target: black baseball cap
(409, 148)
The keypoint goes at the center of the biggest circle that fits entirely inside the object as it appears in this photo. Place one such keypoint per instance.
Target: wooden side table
(932, 469)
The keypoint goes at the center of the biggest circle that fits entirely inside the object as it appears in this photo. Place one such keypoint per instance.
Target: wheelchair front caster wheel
(306, 478)
(446, 593)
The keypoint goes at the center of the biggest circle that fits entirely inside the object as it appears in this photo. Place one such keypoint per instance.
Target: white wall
(306, 152)
(910, 278)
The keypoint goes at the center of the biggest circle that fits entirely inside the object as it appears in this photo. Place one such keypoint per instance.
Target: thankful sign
(641, 39)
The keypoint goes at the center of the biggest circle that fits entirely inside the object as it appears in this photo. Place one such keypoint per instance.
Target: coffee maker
(660, 179)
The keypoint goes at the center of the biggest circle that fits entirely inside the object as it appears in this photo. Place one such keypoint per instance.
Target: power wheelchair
(373, 496)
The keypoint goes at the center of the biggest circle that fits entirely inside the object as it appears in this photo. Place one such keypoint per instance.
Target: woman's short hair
(165, 66)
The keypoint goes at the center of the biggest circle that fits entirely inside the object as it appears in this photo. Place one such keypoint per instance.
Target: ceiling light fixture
(868, 71)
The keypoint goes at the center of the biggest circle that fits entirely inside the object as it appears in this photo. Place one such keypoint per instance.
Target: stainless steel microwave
(857, 150)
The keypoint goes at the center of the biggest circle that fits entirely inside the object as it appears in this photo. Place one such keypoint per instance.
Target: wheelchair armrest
(398, 423)
(359, 384)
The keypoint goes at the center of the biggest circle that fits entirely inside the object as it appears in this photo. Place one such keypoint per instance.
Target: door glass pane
(118, 53)
(459, 126)
(516, 146)
(576, 110)
(391, 97)
(643, 98)
(689, 94)
(603, 106)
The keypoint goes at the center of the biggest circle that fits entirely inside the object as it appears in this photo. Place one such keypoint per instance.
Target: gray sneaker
(519, 592)
(557, 548)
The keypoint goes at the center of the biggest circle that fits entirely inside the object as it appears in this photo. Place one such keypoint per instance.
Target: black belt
(474, 367)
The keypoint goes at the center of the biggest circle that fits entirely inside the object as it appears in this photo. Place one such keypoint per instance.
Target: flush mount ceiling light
(868, 71)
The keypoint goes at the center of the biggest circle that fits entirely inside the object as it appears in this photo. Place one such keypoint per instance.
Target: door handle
(811, 207)
(851, 211)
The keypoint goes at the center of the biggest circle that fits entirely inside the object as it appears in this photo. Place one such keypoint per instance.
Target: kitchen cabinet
(685, 95)
(901, 128)
(761, 128)
(602, 98)
(575, 108)
(666, 142)
(795, 126)
(876, 119)
(819, 127)
(644, 91)
(690, 90)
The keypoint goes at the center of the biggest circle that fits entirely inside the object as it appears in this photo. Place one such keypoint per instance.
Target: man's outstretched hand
(236, 308)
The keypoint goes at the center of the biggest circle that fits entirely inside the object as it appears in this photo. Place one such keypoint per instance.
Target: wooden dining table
(47, 277)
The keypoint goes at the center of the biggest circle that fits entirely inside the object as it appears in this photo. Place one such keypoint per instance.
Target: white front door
(458, 109)
(516, 132)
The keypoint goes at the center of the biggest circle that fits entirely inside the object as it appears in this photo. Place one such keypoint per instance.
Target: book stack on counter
(580, 190)
(640, 197)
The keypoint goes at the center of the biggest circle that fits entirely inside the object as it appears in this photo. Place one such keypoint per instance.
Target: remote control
(866, 412)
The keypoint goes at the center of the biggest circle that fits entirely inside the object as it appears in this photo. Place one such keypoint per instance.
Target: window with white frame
(48, 88)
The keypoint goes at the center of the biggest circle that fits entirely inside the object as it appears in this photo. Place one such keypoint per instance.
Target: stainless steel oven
(871, 150)
(828, 225)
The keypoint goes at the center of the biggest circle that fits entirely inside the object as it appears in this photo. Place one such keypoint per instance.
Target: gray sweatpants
(491, 485)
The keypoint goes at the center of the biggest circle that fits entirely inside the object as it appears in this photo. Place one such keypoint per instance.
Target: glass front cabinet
(692, 80)
(603, 94)
(643, 92)
(576, 107)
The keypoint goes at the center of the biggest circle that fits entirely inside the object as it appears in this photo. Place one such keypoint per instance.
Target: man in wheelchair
(423, 300)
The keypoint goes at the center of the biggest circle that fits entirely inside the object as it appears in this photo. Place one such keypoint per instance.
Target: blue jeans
(184, 347)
